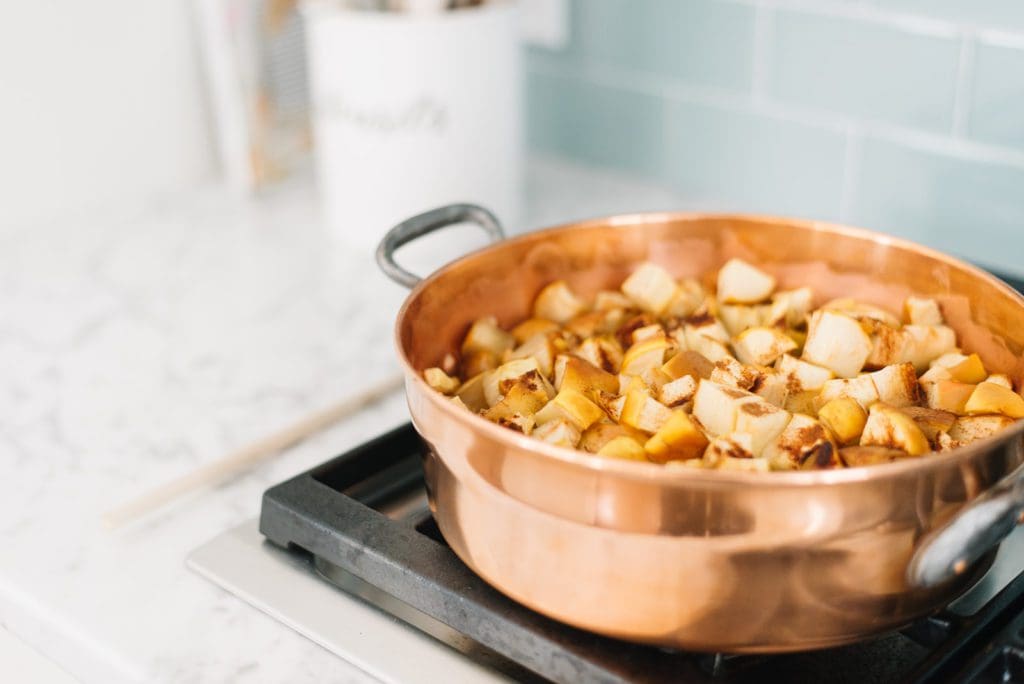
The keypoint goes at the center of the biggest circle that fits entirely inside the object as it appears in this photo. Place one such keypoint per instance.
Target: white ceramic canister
(412, 111)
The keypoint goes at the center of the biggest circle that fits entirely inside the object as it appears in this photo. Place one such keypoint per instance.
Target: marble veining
(137, 344)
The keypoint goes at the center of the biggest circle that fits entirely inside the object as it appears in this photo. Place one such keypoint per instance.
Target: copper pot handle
(425, 223)
(952, 548)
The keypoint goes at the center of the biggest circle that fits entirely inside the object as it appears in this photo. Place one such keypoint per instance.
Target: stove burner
(364, 518)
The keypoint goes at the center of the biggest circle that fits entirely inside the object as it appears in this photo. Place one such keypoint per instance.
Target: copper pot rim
(639, 470)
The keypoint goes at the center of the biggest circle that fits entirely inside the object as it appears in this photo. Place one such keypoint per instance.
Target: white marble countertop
(139, 343)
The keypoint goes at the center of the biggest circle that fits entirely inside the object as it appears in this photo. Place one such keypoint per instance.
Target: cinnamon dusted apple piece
(836, 342)
(762, 346)
(889, 427)
(803, 376)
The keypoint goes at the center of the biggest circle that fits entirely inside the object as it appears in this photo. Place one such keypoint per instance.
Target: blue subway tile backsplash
(901, 115)
(738, 160)
(701, 42)
(966, 207)
(997, 100)
(864, 69)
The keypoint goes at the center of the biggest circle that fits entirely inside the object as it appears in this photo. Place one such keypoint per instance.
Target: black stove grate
(334, 513)
(364, 519)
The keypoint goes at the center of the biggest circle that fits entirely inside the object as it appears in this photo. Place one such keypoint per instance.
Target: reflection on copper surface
(699, 559)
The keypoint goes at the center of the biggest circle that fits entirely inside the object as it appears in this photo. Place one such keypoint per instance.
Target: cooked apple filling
(745, 378)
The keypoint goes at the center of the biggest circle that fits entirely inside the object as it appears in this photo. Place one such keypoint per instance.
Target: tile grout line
(660, 87)
(963, 90)
(853, 156)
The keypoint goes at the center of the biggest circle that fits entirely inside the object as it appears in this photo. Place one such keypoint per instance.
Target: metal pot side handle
(426, 223)
(951, 549)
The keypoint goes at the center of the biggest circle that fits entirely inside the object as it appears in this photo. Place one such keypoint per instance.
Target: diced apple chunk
(772, 386)
(711, 349)
(855, 456)
(762, 346)
(837, 342)
(585, 377)
(762, 421)
(650, 287)
(889, 427)
(802, 402)
(722, 449)
(645, 355)
(789, 308)
(531, 327)
(897, 385)
(641, 411)
(571, 405)
(493, 380)
(558, 303)
(688, 362)
(677, 392)
(604, 431)
(714, 405)
(862, 389)
(989, 397)
(924, 343)
(862, 311)
(741, 283)
(970, 370)
(732, 373)
(471, 393)
(887, 344)
(688, 299)
(969, 429)
(922, 311)
(678, 438)
(539, 348)
(558, 432)
(932, 422)
(485, 335)
(739, 317)
(603, 352)
(803, 376)
(440, 381)
(804, 441)
(625, 448)
(845, 418)
(947, 395)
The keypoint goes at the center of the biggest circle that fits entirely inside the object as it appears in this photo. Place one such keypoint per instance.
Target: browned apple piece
(533, 326)
(688, 362)
(604, 431)
(440, 381)
(856, 456)
(932, 422)
(485, 335)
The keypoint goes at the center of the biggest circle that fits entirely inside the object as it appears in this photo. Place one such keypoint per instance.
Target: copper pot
(707, 560)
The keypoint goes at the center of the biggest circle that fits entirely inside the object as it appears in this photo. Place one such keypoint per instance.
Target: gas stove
(361, 521)
(349, 555)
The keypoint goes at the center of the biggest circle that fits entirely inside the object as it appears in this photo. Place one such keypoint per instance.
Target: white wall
(100, 102)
